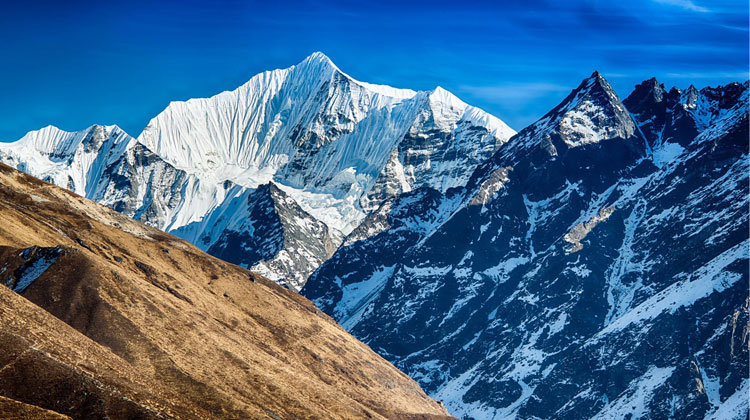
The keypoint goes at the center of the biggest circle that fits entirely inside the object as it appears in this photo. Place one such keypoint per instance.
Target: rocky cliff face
(335, 146)
(266, 230)
(594, 267)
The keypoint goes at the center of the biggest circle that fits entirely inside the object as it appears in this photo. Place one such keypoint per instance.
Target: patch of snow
(633, 403)
(667, 154)
(735, 407)
(710, 278)
(36, 269)
(357, 296)
(619, 295)
(558, 325)
(580, 271)
(711, 386)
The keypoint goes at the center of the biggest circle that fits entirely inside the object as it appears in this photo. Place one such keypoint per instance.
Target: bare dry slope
(125, 321)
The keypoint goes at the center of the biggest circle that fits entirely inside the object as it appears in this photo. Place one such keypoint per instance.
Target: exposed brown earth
(130, 322)
(16, 410)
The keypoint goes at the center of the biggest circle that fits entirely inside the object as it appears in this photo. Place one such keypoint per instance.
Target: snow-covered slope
(73, 160)
(336, 147)
(324, 136)
(266, 230)
(593, 268)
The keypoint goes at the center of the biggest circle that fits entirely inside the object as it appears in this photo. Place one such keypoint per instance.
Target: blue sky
(111, 62)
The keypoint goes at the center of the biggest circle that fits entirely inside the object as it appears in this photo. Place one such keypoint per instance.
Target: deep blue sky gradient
(116, 62)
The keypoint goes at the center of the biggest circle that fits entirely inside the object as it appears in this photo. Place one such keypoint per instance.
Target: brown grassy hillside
(129, 322)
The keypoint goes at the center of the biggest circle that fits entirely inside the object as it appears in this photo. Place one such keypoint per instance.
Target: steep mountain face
(594, 267)
(107, 165)
(679, 116)
(326, 138)
(104, 317)
(335, 146)
(266, 230)
(71, 160)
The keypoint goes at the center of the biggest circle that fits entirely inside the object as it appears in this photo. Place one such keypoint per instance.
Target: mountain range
(326, 148)
(593, 265)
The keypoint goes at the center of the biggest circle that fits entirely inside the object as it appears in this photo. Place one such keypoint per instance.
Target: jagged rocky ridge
(335, 146)
(596, 267)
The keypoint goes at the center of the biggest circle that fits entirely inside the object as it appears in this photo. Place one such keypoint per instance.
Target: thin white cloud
(683, 4)
(735, 75)
(513, 92)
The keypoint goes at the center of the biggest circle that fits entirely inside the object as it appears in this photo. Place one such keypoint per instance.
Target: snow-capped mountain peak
(311, 128)
(589, 120)
(72, 159)
(336, 146)
(448, 109)
(590, 114)
(55, 141)
(678, 115)
(645, 95)
(441, 95)
(257, 128)
(594, 114)
(320, 60)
